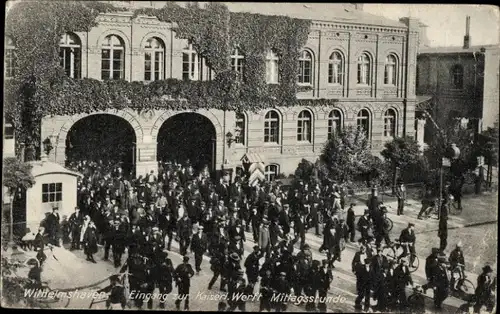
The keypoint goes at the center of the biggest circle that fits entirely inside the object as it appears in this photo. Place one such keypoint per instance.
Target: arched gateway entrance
(187, 137)
(105, 137)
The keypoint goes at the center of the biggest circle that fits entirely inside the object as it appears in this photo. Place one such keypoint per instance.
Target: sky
(446, 22)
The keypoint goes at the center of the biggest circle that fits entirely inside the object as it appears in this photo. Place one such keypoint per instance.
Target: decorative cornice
(365, 37)
(341, 36)
(366, 28)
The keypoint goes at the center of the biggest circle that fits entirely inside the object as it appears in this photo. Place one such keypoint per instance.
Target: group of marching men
(146, 214)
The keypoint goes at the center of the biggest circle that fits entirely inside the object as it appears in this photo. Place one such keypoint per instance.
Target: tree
(346, 155)
(401, 152)
(304, 171)
(16, 175)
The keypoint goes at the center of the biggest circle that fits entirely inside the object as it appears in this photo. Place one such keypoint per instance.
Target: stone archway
(128, 120)
(188, 137)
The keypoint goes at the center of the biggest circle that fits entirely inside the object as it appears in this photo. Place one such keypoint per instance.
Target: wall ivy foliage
(40, 87)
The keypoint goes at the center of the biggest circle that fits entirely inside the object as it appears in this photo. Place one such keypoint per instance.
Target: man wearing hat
(403, 279)
(485, 290)
(351, 222)
(182, 275)
(184, 231)
(199, 245)
(217, 262)
(364, 226)
(52, 226)
(401, 195)
(237, 291)
(164, 270)
(408, 236)
(116, 293)
(431, 265)
(363, 284)
(266, 290)
(255, 219)
(324, 278)
(264, 237)
(75, 224)
(252, 267)
(282, 288)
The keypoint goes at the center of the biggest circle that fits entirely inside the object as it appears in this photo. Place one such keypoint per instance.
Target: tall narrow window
(70, 52)
(364, 69)
(271, 127)
(363, 121)
(390, 123)
(240, 128)
(272, 60)
(154, 59)
(457, 76)
(8, 131)
(237, 61)
(271, 172)
(334, 123)
(336, 69)
(191, 64)
(390, 73)
(113, 58)
(304, 126)
(305, 68)
(10, 57)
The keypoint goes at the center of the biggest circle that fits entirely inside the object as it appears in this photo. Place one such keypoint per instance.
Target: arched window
(191, 64)
(334, 123)
(390, 73)
(113, 58)
(70, 52)
(240, 128)
(336, 69)
(304, 126)
(10, 57)
(457, 76)
(271, 172)
(154, 59)
(237, 61)
(271, 127)
(364, 69)
(272, 60)
(390, 119)
(305, 68)
(363, 121)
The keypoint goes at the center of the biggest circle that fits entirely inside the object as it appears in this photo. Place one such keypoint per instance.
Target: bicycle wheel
(467, 287)
(389, 251)
(389, 223)
(416, 262)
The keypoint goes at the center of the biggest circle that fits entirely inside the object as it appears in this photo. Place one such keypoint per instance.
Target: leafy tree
(17, 174)
(304, 171)
(346, 155)
(401, 152)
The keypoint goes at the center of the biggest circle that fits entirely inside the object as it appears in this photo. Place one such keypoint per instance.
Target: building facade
(367, 63)
(460, 82)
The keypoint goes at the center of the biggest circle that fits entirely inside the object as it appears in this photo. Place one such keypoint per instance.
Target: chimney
(467, 33)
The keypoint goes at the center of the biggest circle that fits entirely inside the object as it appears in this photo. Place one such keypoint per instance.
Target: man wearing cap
(264, 237)
(252, 267)
(119, 242)
(116, 293)
(457, 261)
(442, 281)
(401, 195)
(324, 278)
(199, 244)
(282, 288)
(184, 231)
(408, 236)
(75, 223)
(363, 284)
(431, 265)
(351, 222)
(255, 220)
(378, 265)
(237, 290)
(403, 278)
(217, 262)
(266, 290)
(182, 275)
(485, 289)
(164, 270)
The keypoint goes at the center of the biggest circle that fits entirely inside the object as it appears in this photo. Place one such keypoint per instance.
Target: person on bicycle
(457, 265)
(116, 293)
(408, 236)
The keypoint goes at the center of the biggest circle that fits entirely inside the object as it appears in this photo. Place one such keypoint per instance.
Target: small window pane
(58, 187)
(45, 188)
(45, 198)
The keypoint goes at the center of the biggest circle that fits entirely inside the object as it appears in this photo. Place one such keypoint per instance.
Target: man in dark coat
(75, 223)
(325, 278)
(217, 262)
(282, 288)
(485, 290)
(403, 278)
(363, 284)
(90, 242)
(364, 226)
(184, 230)
(164, 276)
(199, 245)
(351, 222)
(408, 236)
(182, 275)
(53, 227)
(252, 266)
(442, 281)
(401, 195)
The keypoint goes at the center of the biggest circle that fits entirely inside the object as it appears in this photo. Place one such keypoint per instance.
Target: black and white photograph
(250, 156)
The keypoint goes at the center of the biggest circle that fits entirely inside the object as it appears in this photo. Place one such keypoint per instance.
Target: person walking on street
(485, 289)
(401, 195)
(199, 245)
(351, 222)
(442, 277)
(75, 223)
(182, 275)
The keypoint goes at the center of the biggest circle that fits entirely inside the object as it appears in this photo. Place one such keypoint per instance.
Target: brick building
(366, 62)
(459, 82)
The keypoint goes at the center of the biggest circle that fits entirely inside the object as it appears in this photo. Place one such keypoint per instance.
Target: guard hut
(55, 186)
(254, 166)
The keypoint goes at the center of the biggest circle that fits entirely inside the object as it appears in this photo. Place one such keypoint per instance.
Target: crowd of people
(146, 214)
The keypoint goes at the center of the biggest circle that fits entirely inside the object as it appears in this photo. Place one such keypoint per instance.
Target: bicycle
(395, 251)
(463, 285)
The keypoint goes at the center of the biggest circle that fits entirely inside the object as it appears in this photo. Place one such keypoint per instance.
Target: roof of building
(41, 168)
(455, 49)
(333, 12)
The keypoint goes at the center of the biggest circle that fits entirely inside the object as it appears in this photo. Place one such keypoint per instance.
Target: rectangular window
(271, 132)
(303, 131)
(147, 66)
(51, 192)
(9, 131)
(240, 130)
